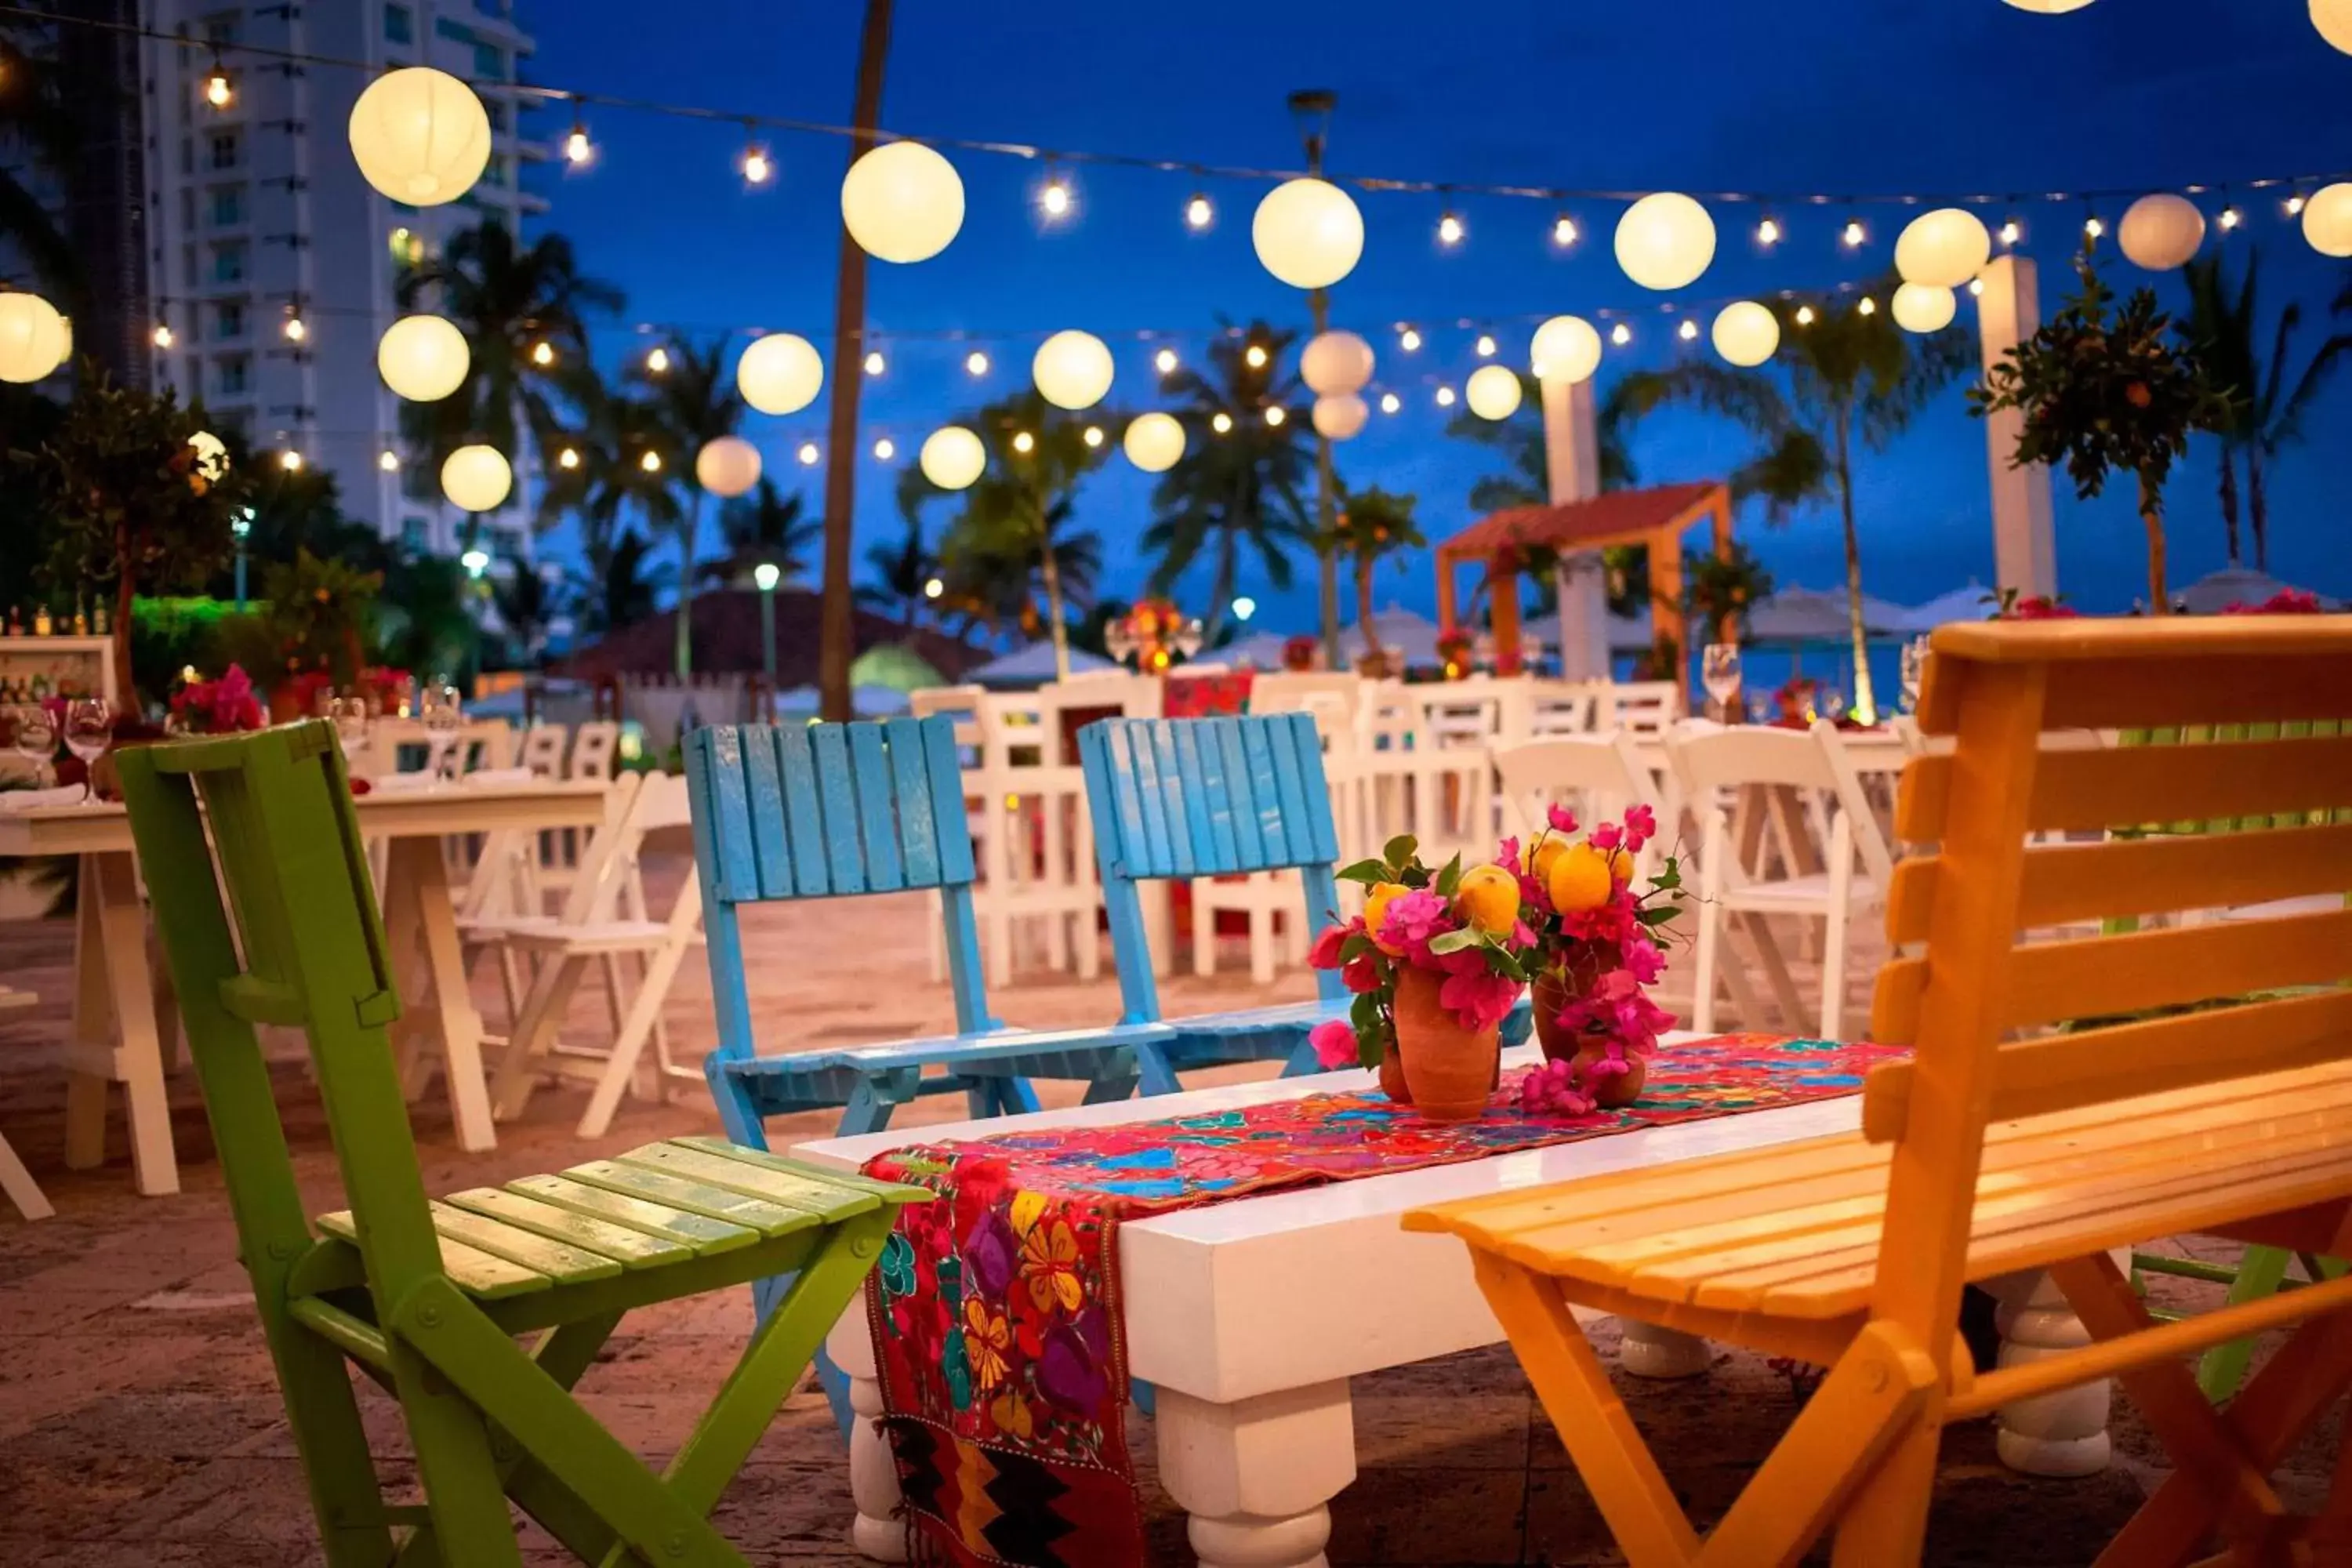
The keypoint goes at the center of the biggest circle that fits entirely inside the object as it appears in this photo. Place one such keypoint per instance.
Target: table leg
(878, 1530)
(115, 1038)
(416, 882)
(1256, 1475)
(2060, 1434)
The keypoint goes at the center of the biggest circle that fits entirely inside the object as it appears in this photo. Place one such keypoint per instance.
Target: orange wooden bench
(2004, 1144)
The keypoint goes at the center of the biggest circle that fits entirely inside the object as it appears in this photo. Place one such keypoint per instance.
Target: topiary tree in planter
(135, 498)
(2107, 394)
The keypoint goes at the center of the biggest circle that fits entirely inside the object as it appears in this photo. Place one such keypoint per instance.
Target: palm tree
(693, 403)
(597, 467)
(903, 571)
(623, 593)
(527, 602)
(509, 300)
(1372, 524)
(1852, 377)
(37, 126)
(2263, 415)
(1244, 485)
(764, 527)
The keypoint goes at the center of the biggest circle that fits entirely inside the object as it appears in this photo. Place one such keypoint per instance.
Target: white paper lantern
(1921, 309)
(1664, 240)
(1942, 249)
(421, 136)
(2326, 221)
(1072, 369)
(34, 339)
(1745, 333)
(1493, 392)
(952, 457)
(727, 467)
(477, 479)
(1153, 442)
(1340, 414)
(1335, 363)
(2050, 7)
(423, 358)
(212, 455)
(1307, 233)
(780, 374)
(2161, 232)
(902, 202)
(2333, 20)
(1566, 348)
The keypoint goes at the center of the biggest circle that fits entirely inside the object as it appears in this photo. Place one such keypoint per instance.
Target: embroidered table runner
(995, 1310)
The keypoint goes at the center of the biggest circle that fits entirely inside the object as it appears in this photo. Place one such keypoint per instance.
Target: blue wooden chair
(1214, 798)
(785, 812)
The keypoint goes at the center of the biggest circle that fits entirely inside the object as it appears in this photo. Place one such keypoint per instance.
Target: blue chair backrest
(1204, 797)
(808, 811)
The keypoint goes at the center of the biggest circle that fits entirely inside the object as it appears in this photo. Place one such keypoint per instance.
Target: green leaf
(1365, 1011)
(1456, 940)
(1451, 877)
(1659, 916)
(1502, 962)
(1368, 872)
(1400, 851)
(1354, 948)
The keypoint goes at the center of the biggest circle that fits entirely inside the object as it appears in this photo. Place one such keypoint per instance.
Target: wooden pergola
(1654, 519)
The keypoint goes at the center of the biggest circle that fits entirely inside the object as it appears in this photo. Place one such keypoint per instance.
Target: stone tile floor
(140, 1424)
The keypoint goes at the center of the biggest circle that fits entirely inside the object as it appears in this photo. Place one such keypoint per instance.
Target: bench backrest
(2149, 1010)
(807, 810)
(1204, 797)
(297, 943)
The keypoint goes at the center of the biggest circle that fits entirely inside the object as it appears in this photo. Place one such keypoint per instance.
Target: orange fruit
(1544, 854)
(1376, 909)
(1580, 879)
(1487, 898)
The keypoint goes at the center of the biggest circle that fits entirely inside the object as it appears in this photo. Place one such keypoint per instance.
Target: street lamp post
(1312, 108)
(766, 576)
(240, 527)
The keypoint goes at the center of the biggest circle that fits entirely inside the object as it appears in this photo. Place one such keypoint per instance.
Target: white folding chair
(594, 747)
(598, 927)
(15, 1181)
(1597, 777)
(1716, 768)
(544, 746)
(1639, 706)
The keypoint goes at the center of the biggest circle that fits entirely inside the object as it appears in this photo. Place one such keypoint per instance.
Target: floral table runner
(996, 1311)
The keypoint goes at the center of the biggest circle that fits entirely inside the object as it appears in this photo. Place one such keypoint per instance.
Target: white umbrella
(865, 701)
(1973, 602)
(1262, 651)
(1799, 615)
(1402, 634)
(2210, 595)
(1033, 666)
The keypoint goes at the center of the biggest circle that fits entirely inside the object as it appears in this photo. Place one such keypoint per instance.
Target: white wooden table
(1229, 1315)
(119, 999)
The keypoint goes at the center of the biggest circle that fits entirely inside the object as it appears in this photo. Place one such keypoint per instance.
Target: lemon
(1580, 879)
(1543, 854)
(1376, 910)
(1488, 896)
(1620, 866)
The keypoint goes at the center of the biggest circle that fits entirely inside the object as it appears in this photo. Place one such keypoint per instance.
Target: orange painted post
(1503, 589)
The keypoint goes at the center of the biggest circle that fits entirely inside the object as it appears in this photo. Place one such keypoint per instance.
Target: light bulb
(296, 328)
(2093, 227)
(576, 147)
(1805, 315)
(1221, 422)
(1198, 213)
(757, 165)
(1976, 287)
(291, 461)
(1486, 345)
(808, 454)
(1854, 233)
(568, 459)
(874, 363)
(1869, 306)
(1620, 334)
(542, 355)
(1023, 442)
(2294, 204)
(2230, 217)
(1164, 362)
(1450, 230)
(650, 462)
(1563, 231)
(1094, 436)
(163, 336)
(1391, 403)
(1446, 398)
(218, 93)
(1254, 357)
(885, 449)
(2011, 232)
(976, 363)
(934, 588)
(1769, 232)
(1276, 415)
(658, 361)
(1409, 340)
(389, 462)
(1687, 331)
(1055, 197)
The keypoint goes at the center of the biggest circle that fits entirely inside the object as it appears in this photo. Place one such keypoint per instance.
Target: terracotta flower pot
(1393, 1083)
(1610, 1090)
(1449, 1069)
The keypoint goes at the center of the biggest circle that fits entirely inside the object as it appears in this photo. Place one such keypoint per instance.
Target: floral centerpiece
(2011, 605)
(1457, 652)
(1599, 943)
(1436, 960)
(1301, 652)
(2286, 602)
(1152, 633)
(226, 706)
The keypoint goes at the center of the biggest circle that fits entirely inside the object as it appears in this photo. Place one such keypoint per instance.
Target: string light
(290, 461)
(2230, 217)
(1053, 197)
(577, 149)
(1804, 317)
(808, 454)
(1221, 422)
(163, 335)
(542, 353)
(1563, 231)
(885, 449)
(219, 91)
(389, 462)
(658, 361)
(1276, 415)
(1254, 357)
(2011, 231)
(1024, 443)
(1486, 345)
(1164, 362)
(568, 459)
(1767, 231)
(1869, 306)
(1094, 436)
(1689, 330)
(296, 328)
(757, 166)
(934, 588)
(1976, 287)
(1854, 234)
(975, 362)
(1620, 334)
(1408, 341)
(650, 462)
(2092, 227)
(1446, 398)
(874, 363)
(1450, 231)
(2294, 204)
(1391, 403)
(1198, 214)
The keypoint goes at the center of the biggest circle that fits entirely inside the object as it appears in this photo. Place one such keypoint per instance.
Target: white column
(878, 1530)
(2024, 558)
(1256, 1477)
(2062, 1433)
(1573, 471)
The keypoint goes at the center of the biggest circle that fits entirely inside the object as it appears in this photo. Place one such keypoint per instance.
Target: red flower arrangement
(1300, 652)
(224, 707)
(1455, 649)
(2286, 602)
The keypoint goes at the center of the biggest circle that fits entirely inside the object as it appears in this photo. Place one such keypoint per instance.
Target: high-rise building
(272, 262)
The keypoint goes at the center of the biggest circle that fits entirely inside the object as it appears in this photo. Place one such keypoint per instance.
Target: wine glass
(444, 712)
(90, 730)
(1762, 708)
(1915, 670)
(1718, 671)
(1831, 704)
(350, 715)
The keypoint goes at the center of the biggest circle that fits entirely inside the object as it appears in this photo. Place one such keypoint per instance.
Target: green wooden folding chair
(430, 1298)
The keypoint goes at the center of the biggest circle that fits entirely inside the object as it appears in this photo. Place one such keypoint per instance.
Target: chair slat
(482, 1274)
(804, 823)
(837, 797)
(1266, 793)
(2102, 976)
(1290, 788)
(631, 1248)
(1239, 815)
(731, 821)
(1198, 838)
(699, 1231)
(1134, 846)
(879, 827)
(919, 828)
(560, 1261)
(1158, 859)
(2106, 694)
(950, 832)
(1173, 789)
(1323, 832)
(790, 1188)
(770, 1219)
(764, 790)
(2083, 791)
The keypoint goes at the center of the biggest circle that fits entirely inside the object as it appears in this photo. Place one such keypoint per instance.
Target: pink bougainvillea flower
(1334, 1040)
(1640, 826)
(1362, 973)
(1414, 919)
(1644, 960)
(1478, 998)
(1325, 953)
(1606, 837)
(1562, 820)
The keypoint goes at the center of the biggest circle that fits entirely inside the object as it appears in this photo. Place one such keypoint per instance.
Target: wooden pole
(838, 628)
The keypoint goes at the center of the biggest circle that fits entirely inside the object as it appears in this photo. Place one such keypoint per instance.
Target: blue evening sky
(1808, 95)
